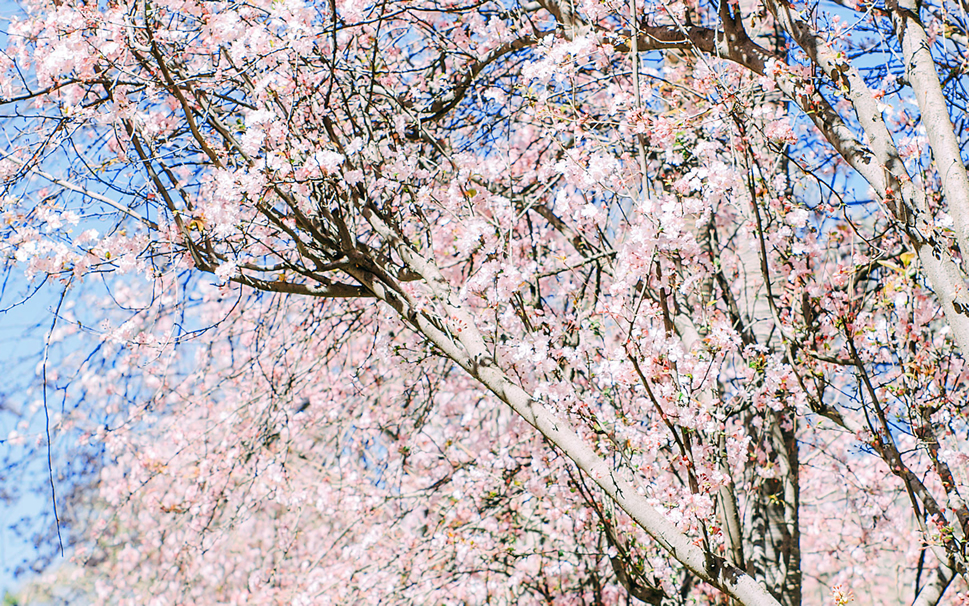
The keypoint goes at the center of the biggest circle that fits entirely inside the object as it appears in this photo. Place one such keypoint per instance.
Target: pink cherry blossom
(520, 303)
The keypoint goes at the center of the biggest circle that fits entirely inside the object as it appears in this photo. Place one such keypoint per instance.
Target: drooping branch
(456, 334)
(446, 103)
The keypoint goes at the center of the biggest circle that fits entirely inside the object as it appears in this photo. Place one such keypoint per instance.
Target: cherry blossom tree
(496, 302)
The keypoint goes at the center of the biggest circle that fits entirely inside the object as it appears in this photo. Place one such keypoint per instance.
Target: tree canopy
(470, 302)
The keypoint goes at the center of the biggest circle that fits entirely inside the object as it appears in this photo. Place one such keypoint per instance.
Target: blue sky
(22, 326)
